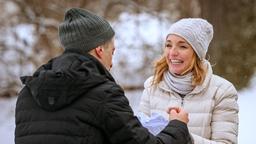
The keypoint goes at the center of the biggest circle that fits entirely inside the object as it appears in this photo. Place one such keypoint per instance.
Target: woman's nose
(173, 52)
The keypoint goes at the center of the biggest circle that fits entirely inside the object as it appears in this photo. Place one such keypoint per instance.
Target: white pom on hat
(197, 32)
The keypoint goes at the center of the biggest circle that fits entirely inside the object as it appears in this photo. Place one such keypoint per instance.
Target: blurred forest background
(232, 51)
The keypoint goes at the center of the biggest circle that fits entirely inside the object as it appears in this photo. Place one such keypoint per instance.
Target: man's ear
(99, 51)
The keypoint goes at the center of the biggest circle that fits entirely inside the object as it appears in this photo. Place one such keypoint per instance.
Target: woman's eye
(168, 45)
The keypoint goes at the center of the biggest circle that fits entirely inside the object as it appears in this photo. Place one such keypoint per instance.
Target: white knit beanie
(196, 31)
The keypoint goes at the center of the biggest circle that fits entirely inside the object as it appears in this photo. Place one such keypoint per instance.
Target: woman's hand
(178, 113)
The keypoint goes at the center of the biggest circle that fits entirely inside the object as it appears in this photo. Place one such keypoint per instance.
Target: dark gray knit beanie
(82, 30)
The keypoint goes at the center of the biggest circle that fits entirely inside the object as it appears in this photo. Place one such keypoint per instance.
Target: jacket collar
(199, 88)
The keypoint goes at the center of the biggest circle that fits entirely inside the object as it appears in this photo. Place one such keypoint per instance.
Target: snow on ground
(7, 121)
(247, 117)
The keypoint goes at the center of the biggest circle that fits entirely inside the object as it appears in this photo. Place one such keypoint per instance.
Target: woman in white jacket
(183, 77)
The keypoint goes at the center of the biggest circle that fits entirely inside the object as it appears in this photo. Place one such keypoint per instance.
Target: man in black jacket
(73, 99)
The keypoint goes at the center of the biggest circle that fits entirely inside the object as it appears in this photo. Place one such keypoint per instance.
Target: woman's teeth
(176, 61)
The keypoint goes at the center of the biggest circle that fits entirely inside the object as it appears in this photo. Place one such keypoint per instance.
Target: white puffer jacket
(212, 108)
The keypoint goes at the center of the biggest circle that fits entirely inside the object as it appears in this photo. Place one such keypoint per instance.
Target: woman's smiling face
(179, 54)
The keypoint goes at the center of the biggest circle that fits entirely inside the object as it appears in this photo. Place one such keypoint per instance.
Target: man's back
(60, 105)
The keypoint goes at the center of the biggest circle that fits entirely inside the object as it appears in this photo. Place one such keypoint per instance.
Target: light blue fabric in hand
(155, 124)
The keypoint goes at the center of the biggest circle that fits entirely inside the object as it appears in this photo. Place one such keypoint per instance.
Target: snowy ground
(7, 122)
(247, 117)
(247, 99)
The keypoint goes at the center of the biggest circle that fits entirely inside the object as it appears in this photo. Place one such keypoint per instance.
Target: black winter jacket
(73, 99)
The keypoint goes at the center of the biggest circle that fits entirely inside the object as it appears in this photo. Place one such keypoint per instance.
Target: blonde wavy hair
(197, 68)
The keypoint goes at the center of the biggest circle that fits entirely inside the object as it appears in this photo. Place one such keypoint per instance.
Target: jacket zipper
(182, 101)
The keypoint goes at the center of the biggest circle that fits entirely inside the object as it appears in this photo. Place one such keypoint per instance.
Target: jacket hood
(64, 79)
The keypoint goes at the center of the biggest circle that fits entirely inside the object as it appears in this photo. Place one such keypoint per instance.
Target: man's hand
(178, 114)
